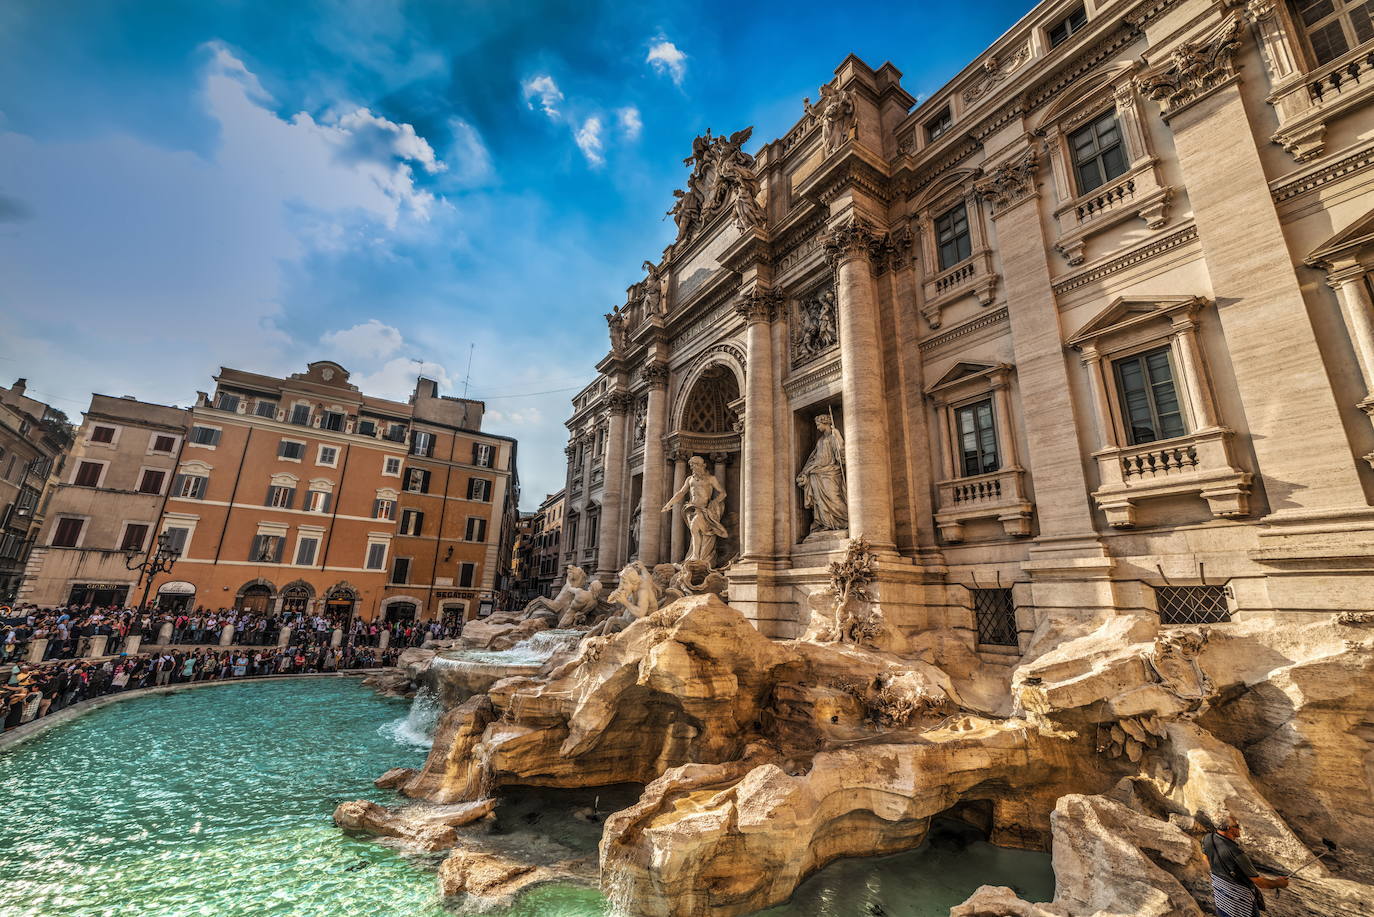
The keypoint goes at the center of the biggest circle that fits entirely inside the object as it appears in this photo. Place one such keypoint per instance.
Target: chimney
(20, 387)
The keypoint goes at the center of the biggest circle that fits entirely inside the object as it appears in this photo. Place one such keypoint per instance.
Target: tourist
(1235, 881)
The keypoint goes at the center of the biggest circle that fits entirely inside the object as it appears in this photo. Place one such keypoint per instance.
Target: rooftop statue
(835, 114)
(722, 179)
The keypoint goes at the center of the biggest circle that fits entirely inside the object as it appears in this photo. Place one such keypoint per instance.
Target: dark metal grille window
(995, 613)
(1192, 604)
(952, 237)
(1098, 153)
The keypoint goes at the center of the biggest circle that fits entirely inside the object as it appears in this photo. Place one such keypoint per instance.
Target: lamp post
(159, 561)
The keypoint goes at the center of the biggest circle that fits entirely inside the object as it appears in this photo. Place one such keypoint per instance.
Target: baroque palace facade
(1087, 329)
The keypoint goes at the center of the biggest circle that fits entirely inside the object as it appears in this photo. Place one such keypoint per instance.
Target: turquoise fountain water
(217, 801)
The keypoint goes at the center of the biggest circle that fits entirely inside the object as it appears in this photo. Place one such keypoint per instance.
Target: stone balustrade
(998, 495)
(1200, 463)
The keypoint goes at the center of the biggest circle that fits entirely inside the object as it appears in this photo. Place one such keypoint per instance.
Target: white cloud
(378, 137)
(370, 340)
(395, 379)
(518, 417)
(667, 59)
(631, 125)
(589, 141)
(546, 91)
(468, 156)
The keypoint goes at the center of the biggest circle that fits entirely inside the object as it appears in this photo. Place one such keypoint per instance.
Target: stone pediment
(961, 370)
(1344, 244)
(1127, 312)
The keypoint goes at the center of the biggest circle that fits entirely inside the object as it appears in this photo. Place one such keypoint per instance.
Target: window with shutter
(305, 551)
(67, 532)
(164, 444)
(176, 539)
(88, 474)
(466, 574)
(376, 556)
(204, 436)
(134, 536)
(102, 434)
(280, 497)
(151, 482)
(300, 415)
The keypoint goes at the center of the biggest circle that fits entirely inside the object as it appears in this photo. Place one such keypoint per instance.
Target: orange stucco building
(304, 494)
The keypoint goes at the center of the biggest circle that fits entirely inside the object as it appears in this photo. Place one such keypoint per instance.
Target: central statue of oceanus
(822, 479)
(703, 500)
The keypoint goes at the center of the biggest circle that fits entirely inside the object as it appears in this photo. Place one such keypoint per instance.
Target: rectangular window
(400, 571)
(466, 574)
(280, 497)
(1334, 27)
(479, 489)
(266, 409)
(1149, 401)
(102, 434)
(88, 474)
(205, 436)
(422, 443)
(305, 551)
(1061, 30)
(290, 450)
(937, 126)
(266, 549)
(1098, 153)
(977, 438)
(67, 532)
(134, 536)
(392, 465)
(417, 481)
(328, 456)
(227, 402)
(151, 482)
(166, 444)
(300, 415)
(396, 433)
(332, 420)
(482, 454)
(376, 556)
(176, 539)
(384, 509)
(995, 614)
(477, 529)
(367, 428)
(412, 521)
(1192, 604)
(189, 486)
(952, 237)
(317, 501)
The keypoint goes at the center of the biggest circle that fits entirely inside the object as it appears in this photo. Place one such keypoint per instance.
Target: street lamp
(159, 561)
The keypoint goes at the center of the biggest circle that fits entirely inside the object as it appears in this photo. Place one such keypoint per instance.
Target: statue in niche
(817, 327)
(822, 479)
(703, 501)
(634, 532)
(835, 114)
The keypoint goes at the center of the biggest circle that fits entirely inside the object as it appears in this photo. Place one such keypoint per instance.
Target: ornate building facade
(1087, 329)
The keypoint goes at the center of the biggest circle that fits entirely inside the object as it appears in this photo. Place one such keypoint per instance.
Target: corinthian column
(677, 543)
(759, 306)
(655, 464)
(613, 488)
(1349, 283)
(850, 246)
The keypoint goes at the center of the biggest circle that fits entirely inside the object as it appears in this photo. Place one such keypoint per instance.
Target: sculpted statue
(635, 592)
(615, 321)
(822, 479)
(816, 327)
(653, 289)
(835, 113)
(703, 500)
(576, 600)
(722, 179)
(634, 532)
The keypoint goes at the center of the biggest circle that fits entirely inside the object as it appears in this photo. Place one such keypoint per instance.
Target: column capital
(759, 304)
(618, 404)
(655, 373)
(1194, 69)
(1010, 183)
(1343, 273)
(852, 239)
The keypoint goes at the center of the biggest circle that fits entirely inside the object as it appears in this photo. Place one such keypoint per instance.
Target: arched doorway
(175, 597)
(255, 599)
(295, 598)
(400, 611)
(339, 603)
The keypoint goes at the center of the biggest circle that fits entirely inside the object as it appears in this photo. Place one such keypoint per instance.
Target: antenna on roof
(468, 376)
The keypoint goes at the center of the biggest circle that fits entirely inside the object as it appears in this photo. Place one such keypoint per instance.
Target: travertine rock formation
(421, 827)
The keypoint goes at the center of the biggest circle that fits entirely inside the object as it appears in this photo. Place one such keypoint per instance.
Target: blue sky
(186, 184)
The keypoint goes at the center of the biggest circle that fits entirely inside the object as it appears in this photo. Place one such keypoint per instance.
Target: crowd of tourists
(34, 691)
(68, 630)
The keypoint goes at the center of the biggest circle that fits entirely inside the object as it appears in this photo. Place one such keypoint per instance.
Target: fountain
(457, 674)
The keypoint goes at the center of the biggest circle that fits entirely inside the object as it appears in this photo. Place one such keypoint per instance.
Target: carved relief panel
(814, 324)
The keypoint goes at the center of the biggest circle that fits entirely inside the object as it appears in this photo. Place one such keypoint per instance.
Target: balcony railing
(998, 495)
(1200, 464)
